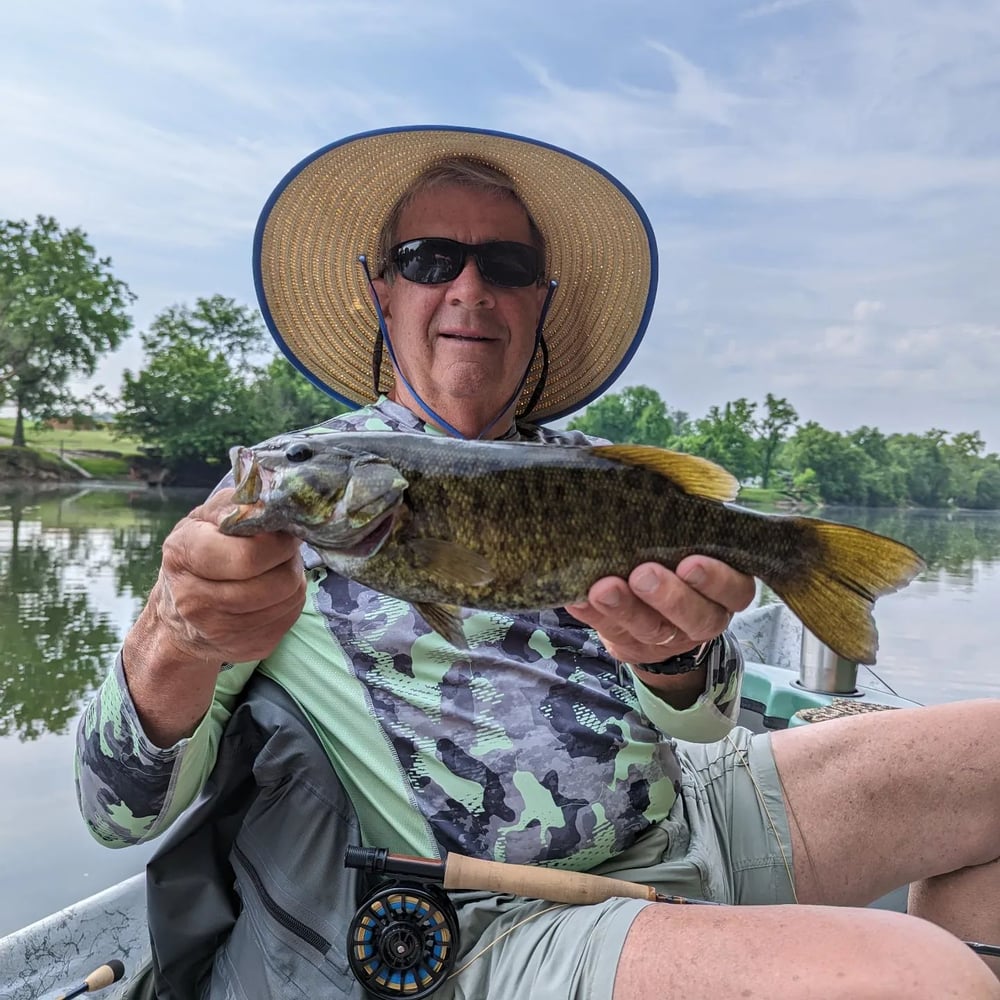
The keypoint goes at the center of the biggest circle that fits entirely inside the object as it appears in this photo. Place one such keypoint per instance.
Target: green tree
(838, 463)
(968, 443)
(779, 417)
(61, 309)
(286, 399)
(195, 398)
(988, 485)
(217, 324)
(636, 415)
(209, 384)
(727, 436)
(973, 477)
(926, 468)
(882, 479)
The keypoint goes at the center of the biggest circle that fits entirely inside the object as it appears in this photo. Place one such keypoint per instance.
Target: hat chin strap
(428, 410)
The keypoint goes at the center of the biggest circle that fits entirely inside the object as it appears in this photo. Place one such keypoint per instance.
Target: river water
(75, 565)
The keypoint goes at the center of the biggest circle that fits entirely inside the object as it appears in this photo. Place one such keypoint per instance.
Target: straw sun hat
(330, 208)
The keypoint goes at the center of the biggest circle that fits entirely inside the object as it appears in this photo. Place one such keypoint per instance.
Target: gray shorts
(719, 843)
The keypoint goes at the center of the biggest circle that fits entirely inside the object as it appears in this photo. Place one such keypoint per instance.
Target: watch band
(682, 663)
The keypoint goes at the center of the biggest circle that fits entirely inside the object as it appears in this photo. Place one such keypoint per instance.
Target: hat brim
(329, 209)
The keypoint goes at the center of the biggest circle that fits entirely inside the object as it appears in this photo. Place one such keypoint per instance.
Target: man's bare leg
(875, 802)
(879, 801)
(795, 953)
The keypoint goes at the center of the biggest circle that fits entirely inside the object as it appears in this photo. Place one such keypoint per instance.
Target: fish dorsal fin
(694, 475)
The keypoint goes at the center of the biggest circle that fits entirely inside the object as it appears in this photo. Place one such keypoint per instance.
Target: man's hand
(217, 599)
(657, 613)
(223, 599)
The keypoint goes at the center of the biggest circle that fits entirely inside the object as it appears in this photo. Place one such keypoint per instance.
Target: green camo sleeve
(717, 707)
(129, 789)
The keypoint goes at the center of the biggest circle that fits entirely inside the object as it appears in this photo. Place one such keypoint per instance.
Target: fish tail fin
(852, 568)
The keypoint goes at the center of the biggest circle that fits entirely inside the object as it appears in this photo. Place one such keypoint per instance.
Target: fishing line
(475, 958)
(883, 682)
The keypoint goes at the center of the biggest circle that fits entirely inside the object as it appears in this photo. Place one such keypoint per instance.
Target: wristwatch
(683, 663)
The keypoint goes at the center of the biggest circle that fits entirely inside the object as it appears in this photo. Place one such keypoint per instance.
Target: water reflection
(75, 567)
(949, 541)
(73, 570)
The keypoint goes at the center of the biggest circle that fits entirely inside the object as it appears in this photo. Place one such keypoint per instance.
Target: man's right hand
(217, 599)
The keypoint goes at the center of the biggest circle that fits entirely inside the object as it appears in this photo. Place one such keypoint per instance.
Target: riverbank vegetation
(211, 379)
(779, 459)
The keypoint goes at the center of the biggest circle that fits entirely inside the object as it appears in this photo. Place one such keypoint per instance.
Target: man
(311, 713)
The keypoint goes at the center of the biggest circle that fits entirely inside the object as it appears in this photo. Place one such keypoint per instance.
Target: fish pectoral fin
(694, 475)
(452, 562)
(445, 620)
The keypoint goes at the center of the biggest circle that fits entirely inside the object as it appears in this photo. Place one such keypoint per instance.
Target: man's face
(464, 344)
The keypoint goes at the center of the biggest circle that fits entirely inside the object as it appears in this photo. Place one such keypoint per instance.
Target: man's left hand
(658, 613)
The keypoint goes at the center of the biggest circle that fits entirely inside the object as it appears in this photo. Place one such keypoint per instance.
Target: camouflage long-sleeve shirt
(533, 745)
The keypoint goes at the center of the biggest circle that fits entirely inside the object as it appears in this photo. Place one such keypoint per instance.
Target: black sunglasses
(433, 260)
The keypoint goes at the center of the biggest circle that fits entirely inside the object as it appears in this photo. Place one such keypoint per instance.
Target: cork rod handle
(538, 883)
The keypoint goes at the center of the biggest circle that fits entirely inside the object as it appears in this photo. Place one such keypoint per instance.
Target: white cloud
(696, 95)
(866, 310)
(778, 7)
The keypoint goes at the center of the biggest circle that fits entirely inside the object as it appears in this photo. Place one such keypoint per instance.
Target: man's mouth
(468, 336)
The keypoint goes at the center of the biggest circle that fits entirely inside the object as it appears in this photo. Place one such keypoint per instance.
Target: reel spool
(403, 940)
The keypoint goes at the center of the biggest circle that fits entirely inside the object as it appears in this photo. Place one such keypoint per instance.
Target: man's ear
(384, 292)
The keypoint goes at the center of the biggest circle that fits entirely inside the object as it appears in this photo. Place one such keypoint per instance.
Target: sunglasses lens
(512, 265)
(429, 261)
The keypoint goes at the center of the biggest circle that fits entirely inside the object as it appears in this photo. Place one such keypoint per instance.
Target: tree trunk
(19, 441)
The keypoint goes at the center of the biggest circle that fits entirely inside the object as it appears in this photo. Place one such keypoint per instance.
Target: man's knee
(925, 961)
(796, 952)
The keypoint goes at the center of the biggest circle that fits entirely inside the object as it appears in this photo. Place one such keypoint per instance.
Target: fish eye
(299, 452)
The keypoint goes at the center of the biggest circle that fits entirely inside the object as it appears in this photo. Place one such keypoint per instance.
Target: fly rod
(459, 872)
(102, 976)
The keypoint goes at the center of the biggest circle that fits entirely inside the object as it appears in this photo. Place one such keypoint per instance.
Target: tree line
(766, 445)
(210, 379)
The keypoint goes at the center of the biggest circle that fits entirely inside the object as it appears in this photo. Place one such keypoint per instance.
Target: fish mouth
(250, 476)
(376, 534)
(354, 524)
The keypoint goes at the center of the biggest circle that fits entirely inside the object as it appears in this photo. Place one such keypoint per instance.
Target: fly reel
(403, 940)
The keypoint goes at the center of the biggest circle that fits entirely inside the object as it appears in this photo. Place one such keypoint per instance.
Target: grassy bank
(102, 454)
(85, 440)
(757, 496)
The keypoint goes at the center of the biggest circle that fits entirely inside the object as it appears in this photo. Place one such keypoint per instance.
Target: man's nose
(469, 287)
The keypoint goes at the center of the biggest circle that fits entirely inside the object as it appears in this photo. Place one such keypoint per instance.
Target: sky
(822, 176)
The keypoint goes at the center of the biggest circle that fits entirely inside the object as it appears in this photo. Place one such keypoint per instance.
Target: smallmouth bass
(509, 526)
